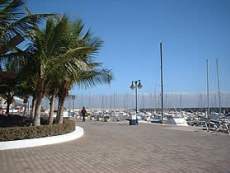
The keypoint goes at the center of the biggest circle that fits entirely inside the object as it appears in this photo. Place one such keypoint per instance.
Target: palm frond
(10, 11)
(91, 78)
(56, 37)
(75, 56)
(24, 25)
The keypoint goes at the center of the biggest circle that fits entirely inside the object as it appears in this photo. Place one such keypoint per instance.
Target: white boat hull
(176, 121)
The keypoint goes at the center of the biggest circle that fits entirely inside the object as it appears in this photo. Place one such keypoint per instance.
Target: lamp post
(73, 99)
(136, 85)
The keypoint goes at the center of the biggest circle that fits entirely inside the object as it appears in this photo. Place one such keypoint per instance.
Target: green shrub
(18, 133)
(15, 121)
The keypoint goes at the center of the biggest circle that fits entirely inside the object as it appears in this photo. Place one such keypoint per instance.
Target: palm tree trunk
(50, 120)
(61, 102)
(39, 97)
(9, 100)
(33, 107)
(37, 114)
(7, 107)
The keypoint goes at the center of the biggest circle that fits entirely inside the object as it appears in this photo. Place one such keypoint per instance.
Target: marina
(114, 86)
(196, 117)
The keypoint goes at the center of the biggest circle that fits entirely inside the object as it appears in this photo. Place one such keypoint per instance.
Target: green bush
(15, 121)
(18, 133)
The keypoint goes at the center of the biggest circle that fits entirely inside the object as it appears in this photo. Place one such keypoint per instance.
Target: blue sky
(191, 31)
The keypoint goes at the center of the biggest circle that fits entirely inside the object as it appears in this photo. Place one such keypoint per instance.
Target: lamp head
(139, 84)
(132, 85)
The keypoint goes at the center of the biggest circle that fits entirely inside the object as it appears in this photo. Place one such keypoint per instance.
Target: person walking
(83, 113)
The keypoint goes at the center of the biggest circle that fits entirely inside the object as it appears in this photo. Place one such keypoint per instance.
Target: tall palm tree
(56, 47)
(17, 24)
(47, 43)
(81, 69)
(86, 78)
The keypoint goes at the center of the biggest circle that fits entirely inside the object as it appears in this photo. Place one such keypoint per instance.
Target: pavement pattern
(120, 148)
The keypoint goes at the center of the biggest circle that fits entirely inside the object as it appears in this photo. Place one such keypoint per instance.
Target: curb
(27, 143)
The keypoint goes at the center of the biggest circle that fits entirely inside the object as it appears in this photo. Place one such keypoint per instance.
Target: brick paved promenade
(110, 147)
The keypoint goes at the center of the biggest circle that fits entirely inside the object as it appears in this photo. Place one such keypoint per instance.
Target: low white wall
(26, 143)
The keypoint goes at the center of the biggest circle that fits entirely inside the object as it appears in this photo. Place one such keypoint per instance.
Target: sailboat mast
(218, 84)
(162, 89)
(208, 108)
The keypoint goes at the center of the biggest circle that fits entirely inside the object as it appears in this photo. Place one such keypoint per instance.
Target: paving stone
(120, 148)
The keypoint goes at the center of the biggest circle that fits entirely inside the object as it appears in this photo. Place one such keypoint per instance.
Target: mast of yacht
(208, 108)
(155, 98)
(218, 85)
(162, 88)
(180, 102)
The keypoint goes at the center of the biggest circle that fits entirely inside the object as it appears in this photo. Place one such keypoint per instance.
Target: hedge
(19, 133)
(15, 121)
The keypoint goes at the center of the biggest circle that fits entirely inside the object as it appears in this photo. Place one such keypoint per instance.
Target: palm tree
(59, 56)
(55, 47)
(88, 78)
(82, 69)
(17, 24)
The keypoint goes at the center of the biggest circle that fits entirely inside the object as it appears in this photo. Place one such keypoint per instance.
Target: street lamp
(136, 85)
